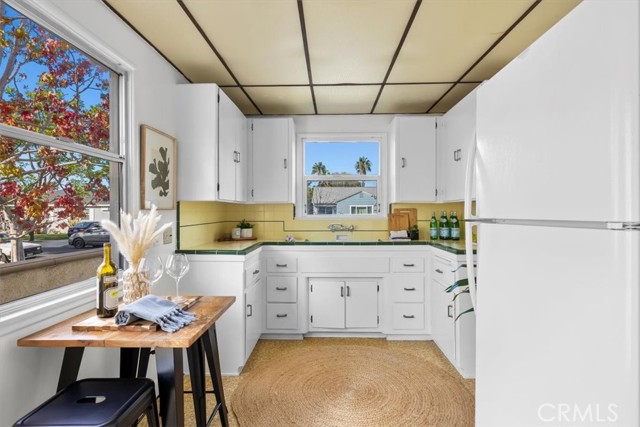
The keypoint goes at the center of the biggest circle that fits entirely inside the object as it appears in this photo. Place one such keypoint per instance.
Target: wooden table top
(207, 310)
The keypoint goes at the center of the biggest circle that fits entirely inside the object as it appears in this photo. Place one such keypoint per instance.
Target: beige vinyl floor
(270, 349)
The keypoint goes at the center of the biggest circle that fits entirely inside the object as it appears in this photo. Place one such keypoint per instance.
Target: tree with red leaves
(51, 88)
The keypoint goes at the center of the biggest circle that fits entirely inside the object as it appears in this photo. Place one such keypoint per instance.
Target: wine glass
(151, 268)
(177, 266)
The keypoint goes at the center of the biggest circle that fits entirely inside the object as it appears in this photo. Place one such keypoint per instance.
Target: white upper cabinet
(212, 145)
(271, 141)
(197, 135)
(456, 133)
(233, 157)
(412, 159)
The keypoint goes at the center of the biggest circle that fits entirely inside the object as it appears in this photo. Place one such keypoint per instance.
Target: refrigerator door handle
(468, 215)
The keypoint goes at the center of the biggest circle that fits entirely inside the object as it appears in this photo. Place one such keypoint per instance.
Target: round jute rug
(351, 386)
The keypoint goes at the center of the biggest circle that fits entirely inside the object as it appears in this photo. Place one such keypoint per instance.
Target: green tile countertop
(245, 247)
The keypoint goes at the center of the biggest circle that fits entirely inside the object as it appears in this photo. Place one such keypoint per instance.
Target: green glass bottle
(107, 278)
(455, 226)
(445, 231)
(433, 227)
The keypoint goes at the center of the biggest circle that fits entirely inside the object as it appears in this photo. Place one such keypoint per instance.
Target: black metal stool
(97, 402)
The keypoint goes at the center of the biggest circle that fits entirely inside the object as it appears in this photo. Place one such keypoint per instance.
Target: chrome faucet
(340, 227)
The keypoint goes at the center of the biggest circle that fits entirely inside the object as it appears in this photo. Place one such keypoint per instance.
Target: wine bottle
(107, 281)
(433, 227)
(445, 231)
(455, 226)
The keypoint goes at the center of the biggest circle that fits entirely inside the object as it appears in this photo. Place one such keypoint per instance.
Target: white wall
(342, 123)
(29, 375)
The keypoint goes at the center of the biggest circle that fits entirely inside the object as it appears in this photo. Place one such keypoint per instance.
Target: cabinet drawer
(441, 271)
(407, 264)
(408, 289)
(282, 288)
(282, 264)
(251, 274)
(408, 316)
(282, 316)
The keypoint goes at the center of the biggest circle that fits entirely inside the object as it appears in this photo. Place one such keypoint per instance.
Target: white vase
(246, 232)
(236, 233)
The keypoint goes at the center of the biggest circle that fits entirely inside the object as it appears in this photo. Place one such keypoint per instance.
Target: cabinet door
(442, 320)
(326, 304)
(361, 304)
(456, 132)
(242, 165)
(227, 148)
(254, 315)
(413, 159)
(271, 142)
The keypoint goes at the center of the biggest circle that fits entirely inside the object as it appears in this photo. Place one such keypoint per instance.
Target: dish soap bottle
(107, 278)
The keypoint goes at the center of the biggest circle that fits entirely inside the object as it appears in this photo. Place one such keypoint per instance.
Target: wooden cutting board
(398, 221)
(412, 212)
(96, 323)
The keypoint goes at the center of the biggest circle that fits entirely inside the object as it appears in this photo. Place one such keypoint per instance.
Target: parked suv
(81, 226)
(93, 236)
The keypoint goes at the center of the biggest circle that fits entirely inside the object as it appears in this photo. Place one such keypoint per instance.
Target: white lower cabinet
(343, 304)
(455, 337)
(240, 327)
(282, 303)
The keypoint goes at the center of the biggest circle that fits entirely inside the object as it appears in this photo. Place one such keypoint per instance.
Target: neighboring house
(344, 201)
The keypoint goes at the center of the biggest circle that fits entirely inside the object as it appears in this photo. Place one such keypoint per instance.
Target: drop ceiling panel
(353, 41)
(168, 29)
(240, 99)
(447, 37)
(345, 99)
(406, 99)
(543, 17)
(453, 97)
(260, 41)
(282, 100)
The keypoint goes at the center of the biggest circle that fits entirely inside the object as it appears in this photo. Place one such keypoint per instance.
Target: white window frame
(121, 121)
(302, 179)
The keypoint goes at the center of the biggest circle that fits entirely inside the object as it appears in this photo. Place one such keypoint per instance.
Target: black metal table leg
(210, 343)
(70, 366)
(129, 362)
(196, 372)
(169, 363)
(143, 363)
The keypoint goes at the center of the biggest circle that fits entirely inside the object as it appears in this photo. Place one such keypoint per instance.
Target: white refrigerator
(557, 172)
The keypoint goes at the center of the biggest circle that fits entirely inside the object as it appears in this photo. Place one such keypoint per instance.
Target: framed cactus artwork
(157, 169)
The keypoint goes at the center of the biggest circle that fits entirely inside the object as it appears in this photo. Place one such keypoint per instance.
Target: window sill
(32, 277)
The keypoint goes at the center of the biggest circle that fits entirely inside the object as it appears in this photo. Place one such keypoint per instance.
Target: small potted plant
(246, 229)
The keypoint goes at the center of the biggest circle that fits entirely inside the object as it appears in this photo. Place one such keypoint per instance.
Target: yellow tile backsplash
(206, 222)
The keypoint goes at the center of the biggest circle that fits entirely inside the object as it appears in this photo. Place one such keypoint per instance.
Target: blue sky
(341, 156)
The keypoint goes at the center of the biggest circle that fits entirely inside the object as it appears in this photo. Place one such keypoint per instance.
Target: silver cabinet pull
(341, 291)
(281, 289)
(409, 289)
(348, 291)
(285, 163)
(404, 162)
(250, 307)
(408, 316)
(449, 309)
(281, 315)
(281, 265)
(439, 271)
(409, 265)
